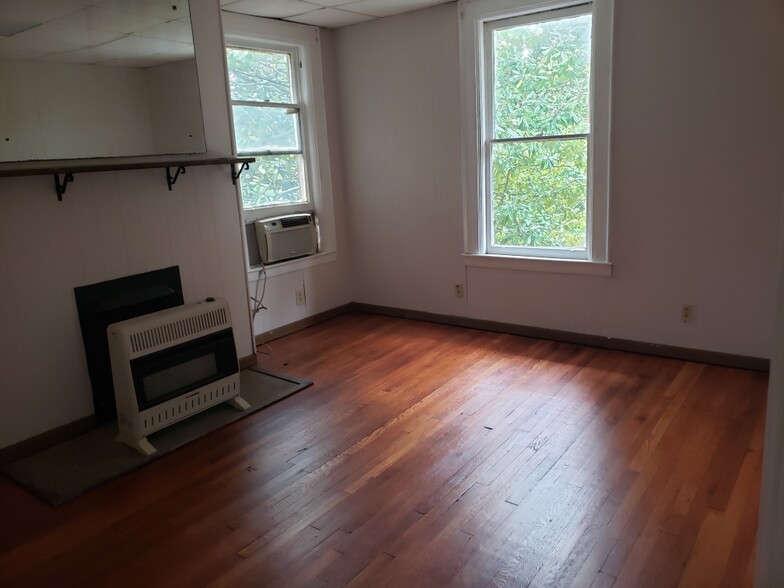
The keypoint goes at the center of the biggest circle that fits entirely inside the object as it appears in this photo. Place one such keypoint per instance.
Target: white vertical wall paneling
(154, 227)
(73, 120)
(210, 248)
(110, 224)
(129, 217)
(187, 239)
(229, 245)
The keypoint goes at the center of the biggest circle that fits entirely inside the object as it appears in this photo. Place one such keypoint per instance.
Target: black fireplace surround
(101, 304)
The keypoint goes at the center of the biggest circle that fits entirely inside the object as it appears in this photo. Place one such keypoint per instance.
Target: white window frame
(303, 42)
(299, 104)
(474, 15)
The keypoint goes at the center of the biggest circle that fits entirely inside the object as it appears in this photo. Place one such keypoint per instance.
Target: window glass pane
(266, 128)
(542, 78)
(539, 193)
(261, 76)
(273, 179)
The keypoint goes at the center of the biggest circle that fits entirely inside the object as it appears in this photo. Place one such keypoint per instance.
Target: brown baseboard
(759, 364)
(69, 430)
(46, 439)
(267, 336)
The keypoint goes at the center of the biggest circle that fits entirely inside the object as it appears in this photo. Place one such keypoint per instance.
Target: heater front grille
(178, 330)
(158, 417)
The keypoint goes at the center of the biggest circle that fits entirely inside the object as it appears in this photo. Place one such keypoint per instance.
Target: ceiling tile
(176, 30)
(21, 43)
(109, 20)
(38, 11)
(168, 10)
(389, 7)
(82, 3)
(330, 2)
(270, 8)
(129, 47)
(20, 54)
(9, 28)
(330, 18)
(72, 37)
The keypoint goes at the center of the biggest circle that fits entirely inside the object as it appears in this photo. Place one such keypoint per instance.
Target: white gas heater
(172, 364)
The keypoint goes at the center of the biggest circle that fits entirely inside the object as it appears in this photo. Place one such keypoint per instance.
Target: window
(276, 89)
(268, 125)
(535, 82)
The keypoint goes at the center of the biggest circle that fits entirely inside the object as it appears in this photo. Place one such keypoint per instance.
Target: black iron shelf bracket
(63, 171)
(60, 187)
(235, 175)
(171, 180)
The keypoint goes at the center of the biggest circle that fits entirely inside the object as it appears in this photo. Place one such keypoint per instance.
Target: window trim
(251, 32)
(474, 14)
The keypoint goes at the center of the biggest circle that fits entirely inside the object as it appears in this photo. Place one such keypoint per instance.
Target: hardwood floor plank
(430, 455)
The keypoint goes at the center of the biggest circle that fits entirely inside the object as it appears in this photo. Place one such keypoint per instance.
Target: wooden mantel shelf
(67, 168)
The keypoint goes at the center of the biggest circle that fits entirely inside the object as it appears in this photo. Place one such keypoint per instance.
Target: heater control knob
(210, 299)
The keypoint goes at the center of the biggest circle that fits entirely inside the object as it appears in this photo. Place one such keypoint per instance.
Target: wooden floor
(428, 455)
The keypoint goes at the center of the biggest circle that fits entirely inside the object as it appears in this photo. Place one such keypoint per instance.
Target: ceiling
(134, 33)
(142, 33)
(326, 13)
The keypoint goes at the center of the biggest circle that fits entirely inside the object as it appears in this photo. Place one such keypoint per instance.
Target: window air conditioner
(286, 237)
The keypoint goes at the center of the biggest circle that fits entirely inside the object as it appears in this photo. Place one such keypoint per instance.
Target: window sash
(299, 107)
(581, 253)
(297, 128)
(274, 204)
(487, 130)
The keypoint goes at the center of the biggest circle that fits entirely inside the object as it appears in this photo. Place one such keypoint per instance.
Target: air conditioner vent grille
(177, 330)
(295, 221)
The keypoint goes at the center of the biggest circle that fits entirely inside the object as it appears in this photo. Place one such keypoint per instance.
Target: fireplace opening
(101, 304)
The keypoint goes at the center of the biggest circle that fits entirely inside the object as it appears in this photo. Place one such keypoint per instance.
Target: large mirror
(97, 78)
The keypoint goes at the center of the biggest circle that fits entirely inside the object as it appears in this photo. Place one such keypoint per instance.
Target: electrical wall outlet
(299, 296)
(687, 313)
(459, 291)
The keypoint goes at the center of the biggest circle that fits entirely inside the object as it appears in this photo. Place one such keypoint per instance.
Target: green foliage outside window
(260, 76)
(272, 179)
(542, 83)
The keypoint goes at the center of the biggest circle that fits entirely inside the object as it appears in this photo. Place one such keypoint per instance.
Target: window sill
(531, 264)
(295, 265)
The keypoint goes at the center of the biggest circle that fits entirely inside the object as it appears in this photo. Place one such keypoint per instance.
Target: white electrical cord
(258, 302)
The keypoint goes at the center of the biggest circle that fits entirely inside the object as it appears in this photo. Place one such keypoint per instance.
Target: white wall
(110, 224)
(57, 111)
(175, 118)
(695, 179)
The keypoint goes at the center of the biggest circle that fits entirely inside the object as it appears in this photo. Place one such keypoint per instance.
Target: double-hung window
(535, 82)
(267, 111)
(277, 96)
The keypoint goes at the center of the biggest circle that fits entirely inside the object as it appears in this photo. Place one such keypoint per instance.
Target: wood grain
(430, 455)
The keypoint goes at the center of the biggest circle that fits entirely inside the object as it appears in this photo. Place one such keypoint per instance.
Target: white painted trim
(538, 264)
(473, 16)
(254, 32)
(295, 265)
